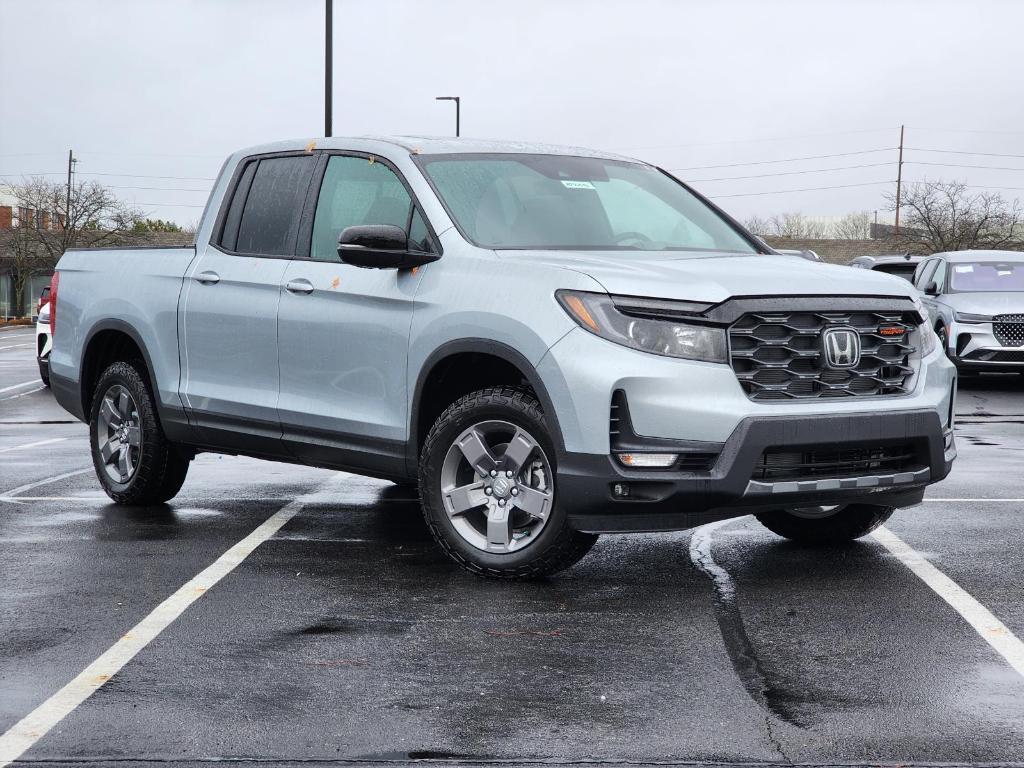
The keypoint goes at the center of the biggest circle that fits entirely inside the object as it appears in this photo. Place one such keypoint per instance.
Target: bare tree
(97, 217)
(945, 216)
(852, 226)
(758, 226)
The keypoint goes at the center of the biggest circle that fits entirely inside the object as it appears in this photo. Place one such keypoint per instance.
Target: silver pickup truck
(553, 343)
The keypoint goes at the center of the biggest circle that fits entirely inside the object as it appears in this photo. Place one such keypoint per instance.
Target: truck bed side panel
(135, 290)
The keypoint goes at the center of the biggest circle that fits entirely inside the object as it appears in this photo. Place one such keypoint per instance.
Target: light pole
(328, 65)
(457, 101)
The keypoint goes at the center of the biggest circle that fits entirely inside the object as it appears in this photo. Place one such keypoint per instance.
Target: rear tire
(493, 534)
(134, 461)
(846, 524)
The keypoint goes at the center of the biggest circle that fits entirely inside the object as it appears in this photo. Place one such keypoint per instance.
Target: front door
(344, 330)
(229, 306)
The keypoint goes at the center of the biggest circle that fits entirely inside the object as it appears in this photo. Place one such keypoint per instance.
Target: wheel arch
(108, 341)
(449, 358)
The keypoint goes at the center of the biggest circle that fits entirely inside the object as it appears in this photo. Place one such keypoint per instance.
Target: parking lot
(347, 635)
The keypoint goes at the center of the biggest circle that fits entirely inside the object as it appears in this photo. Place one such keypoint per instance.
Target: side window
(273, 207)
(229, 235)
(925, 273)
(419, 235)
(356, 190)
(940, 275)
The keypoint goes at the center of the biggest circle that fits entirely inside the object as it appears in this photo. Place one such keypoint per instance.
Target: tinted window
(229, 237)
(356, 190)
(270, 218)
(565, 202)
(905, 271)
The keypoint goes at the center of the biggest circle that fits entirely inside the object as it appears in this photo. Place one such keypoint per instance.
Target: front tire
(487, 486)
(821, 526)
(134, 461)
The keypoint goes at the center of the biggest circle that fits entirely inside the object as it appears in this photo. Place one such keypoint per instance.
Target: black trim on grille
(784, 463)
(1009, 330)
(777, 355)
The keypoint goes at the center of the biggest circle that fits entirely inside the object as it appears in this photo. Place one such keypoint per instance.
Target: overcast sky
(162, 88)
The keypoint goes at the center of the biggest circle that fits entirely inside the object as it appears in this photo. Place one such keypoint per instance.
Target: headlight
(928, 339)
(595, 312)
(969, 317)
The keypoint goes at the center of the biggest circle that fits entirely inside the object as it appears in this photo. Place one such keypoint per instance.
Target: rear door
(229, 309)
(344, 330)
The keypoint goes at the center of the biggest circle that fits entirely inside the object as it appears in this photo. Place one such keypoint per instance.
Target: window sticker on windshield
(577, 184)
(963, 268)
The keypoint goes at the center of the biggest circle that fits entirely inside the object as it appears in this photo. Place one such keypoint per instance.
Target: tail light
(54, 282)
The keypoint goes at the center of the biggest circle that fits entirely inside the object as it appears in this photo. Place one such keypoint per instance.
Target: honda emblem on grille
(842, 347)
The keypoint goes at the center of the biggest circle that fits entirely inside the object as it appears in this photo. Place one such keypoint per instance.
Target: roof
(894, 258)
(957, 257)
(432, 145)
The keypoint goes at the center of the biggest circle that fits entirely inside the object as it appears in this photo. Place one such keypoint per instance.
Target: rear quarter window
(269, 215)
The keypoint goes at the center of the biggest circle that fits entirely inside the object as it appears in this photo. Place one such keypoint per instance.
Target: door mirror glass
(378, 246)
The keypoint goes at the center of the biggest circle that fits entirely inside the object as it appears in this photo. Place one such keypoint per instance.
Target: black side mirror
(379, 246)
(932, 289)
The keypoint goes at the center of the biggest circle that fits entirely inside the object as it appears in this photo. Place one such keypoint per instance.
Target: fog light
(648, 460)
(620, 490)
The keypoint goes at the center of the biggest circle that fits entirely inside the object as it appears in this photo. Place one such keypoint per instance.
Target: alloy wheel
(119, 434)
(497, 487)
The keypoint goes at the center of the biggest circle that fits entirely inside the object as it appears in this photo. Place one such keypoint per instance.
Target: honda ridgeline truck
(553, 343)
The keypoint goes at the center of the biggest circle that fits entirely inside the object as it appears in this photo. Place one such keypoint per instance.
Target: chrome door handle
(207, 278)
(299, 286)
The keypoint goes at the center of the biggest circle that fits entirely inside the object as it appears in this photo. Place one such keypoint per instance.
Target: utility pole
(899, 182)
(457, 101)
(328, 65)
(67, 206)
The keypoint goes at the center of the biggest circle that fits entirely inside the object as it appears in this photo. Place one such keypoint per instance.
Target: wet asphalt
(349, 638)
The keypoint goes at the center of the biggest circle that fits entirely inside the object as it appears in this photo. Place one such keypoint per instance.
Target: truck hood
(714, 277)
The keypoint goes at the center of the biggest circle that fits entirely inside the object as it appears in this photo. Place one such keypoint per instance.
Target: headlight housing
(970, 317)
(597, 313)
(925, 330)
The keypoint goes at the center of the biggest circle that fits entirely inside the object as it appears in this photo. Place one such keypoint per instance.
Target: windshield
(557, 202)
(987, 277)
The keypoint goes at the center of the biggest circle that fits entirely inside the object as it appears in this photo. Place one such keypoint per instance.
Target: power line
(786, 160)
(169, 205)
(957, 165)
(961, 152)
(163, 189)
(118, 175)
(755, 141)
(795, 173)
(805, 189)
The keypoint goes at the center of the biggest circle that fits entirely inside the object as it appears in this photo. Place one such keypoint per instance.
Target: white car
(44, 341)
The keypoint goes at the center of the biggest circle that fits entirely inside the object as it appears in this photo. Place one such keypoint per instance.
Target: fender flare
(488, 347)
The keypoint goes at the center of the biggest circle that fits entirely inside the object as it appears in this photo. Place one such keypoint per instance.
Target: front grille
(1009, 329)
(777, 464)
(779, 355)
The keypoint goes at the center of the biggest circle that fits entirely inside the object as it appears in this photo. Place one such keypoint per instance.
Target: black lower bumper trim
(659, 500)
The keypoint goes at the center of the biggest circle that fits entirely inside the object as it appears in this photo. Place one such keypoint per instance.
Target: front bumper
(668, 500)
(974, 346)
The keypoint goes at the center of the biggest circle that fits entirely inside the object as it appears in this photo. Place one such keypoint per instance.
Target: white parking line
(32, 445)
(974, 613)
(22, 394)
(15, 346)
(19, 386)
(38, 723)
(29, 486)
